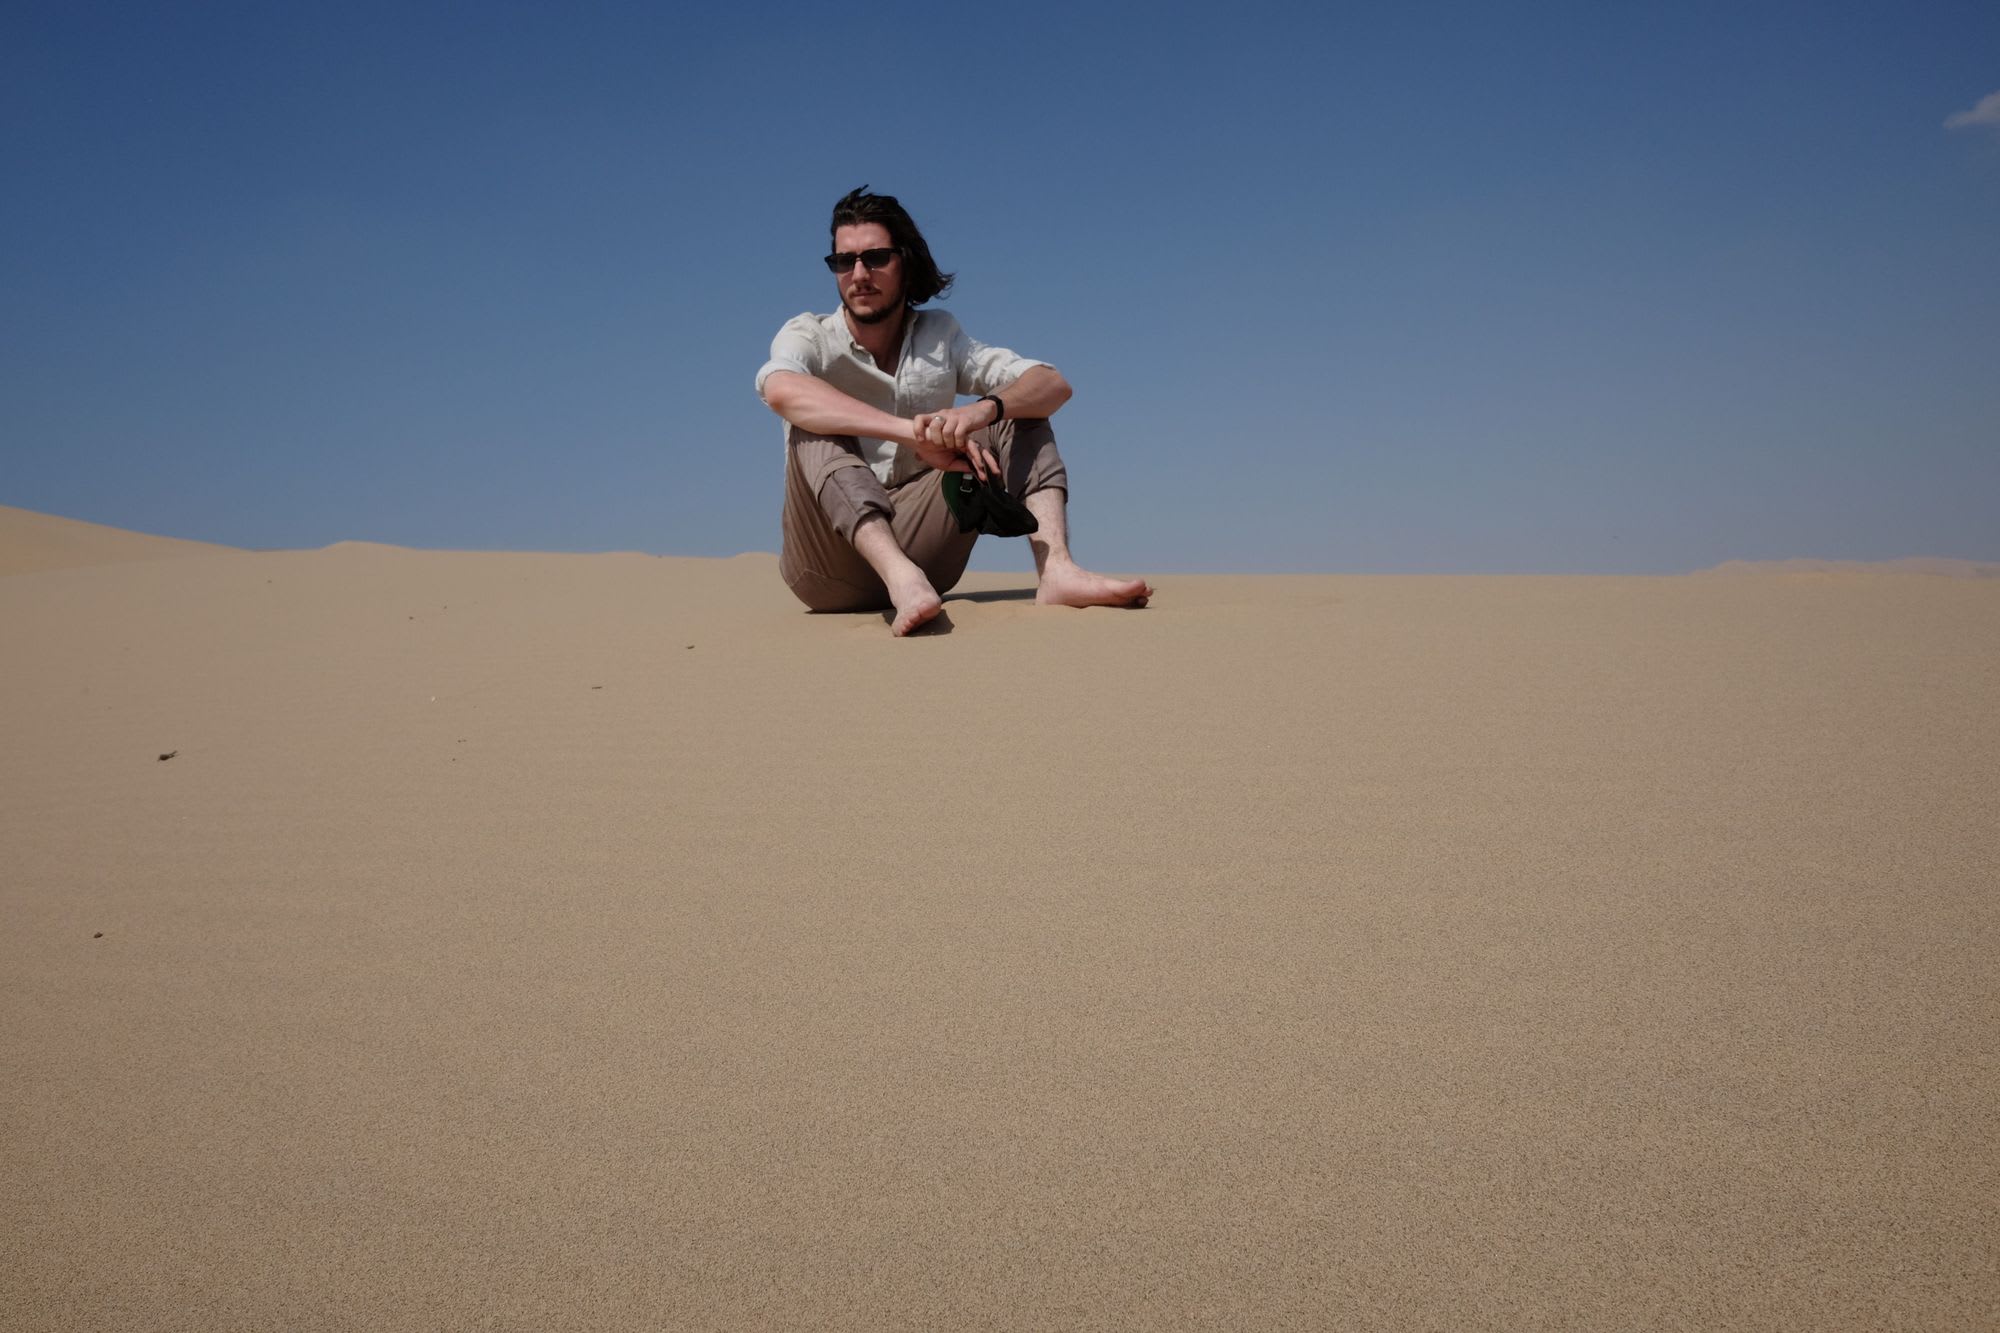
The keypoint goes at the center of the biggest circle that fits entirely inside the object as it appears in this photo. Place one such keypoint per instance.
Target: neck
(881, 339)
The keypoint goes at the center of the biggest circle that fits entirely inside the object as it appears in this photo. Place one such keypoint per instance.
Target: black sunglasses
(842, 262)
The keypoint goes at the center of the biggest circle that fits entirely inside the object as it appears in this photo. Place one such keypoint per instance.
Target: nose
(857, 264)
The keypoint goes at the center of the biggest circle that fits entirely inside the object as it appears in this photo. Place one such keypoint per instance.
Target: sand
(559, 942)
(31, 541)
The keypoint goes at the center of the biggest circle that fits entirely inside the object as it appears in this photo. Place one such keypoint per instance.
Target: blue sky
(1571, 288)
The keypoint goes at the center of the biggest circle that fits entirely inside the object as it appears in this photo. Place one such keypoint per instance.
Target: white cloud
(1986, 112)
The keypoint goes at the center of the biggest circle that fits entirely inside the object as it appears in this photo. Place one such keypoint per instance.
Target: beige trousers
(829, 490)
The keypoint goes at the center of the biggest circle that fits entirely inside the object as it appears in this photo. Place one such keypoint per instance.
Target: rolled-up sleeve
(983, 369)
(796, 348)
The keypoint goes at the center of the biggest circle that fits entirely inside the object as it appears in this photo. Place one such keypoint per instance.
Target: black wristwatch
(999, 408)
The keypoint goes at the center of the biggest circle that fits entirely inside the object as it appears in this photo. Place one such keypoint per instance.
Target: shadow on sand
(993, 595)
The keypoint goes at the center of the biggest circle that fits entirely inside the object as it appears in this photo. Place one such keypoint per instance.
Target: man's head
(864, 226)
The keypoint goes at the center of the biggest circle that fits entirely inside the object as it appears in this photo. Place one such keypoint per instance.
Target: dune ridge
(31, 541)
(1942, 566)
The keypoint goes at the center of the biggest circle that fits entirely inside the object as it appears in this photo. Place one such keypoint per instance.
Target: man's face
(869, 295)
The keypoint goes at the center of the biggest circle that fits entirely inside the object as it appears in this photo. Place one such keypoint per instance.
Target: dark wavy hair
(922, 280)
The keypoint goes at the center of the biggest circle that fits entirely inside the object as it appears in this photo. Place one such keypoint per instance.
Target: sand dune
(566, 942)
(30, 541)
(1909, 564)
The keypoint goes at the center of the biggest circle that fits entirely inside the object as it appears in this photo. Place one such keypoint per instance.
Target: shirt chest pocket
(926, 384)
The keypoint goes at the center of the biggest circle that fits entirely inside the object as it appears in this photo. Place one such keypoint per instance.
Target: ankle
(1050, 559)
(893, 567)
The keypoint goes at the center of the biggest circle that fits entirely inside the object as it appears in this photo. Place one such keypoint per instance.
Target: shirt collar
(910, 318)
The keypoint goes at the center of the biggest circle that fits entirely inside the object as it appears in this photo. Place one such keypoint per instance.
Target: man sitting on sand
(867, 394)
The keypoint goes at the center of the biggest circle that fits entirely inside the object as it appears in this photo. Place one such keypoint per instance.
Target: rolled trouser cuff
(840, 481)
(849, 495)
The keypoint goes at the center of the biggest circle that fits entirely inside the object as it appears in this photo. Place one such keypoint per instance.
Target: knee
(1019, 432)
(799, 437)
(848, 496)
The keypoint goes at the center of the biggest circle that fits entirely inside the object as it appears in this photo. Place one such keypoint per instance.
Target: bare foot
(917, 603)
(1067, 585)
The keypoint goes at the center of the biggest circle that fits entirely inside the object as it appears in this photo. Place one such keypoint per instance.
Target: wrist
(999, 408)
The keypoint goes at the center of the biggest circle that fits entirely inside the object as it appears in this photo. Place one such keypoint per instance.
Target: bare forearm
(1038, 392)
(812, 404)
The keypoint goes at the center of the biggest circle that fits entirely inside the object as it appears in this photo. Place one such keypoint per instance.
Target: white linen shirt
(938, 362)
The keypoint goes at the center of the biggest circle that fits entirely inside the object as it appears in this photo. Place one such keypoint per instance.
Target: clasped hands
(944, 440)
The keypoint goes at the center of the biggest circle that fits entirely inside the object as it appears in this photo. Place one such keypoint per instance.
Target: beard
(887, 312)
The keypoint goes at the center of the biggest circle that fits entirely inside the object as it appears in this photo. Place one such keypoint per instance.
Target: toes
(915, 618)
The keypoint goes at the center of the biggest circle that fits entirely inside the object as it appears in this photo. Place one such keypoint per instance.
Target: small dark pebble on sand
(168, 755)
(98, 936)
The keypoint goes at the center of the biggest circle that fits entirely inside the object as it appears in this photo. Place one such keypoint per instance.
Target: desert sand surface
(599, 942)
